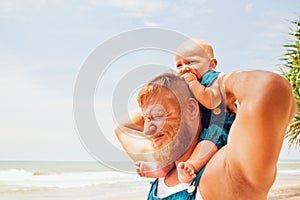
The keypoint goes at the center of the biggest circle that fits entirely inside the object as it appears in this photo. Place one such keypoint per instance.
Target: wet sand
(285, 190)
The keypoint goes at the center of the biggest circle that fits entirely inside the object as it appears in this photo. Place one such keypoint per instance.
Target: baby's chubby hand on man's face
(189, 77)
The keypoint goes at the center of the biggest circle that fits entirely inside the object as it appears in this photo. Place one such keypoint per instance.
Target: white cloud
(137, 8)
(188, 9)
(151, 24)
(249, 7)
(28, 9)
(273, 31)
(20, 9)
(144, 8)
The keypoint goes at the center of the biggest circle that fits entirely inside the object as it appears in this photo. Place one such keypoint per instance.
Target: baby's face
(192, 59)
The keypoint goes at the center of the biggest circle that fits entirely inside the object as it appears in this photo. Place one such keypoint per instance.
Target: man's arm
(266, 107)
(246, 166)
(136, 121)
(130, 135)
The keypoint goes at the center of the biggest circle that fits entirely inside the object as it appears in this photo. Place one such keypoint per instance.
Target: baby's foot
(186, 172)
(152, 169)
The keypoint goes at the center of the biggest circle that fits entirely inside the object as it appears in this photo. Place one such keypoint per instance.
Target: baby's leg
(186, 172)
(152, 169)
(202, 153)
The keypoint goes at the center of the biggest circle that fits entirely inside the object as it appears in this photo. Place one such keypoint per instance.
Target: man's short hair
(170, 81)
(177, 87)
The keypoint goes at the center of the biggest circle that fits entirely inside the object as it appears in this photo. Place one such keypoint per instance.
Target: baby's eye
(178, 66)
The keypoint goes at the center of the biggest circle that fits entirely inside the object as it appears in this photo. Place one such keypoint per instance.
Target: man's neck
(188, 152)
(171, 178)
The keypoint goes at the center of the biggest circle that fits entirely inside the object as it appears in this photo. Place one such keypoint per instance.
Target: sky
(44, 44)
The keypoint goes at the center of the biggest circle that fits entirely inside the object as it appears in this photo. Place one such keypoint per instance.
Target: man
(245, 168)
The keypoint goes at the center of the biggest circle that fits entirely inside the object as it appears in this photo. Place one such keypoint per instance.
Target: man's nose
(150, 129)
(152, 126)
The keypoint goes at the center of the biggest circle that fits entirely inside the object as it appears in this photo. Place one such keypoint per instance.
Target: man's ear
(193, 108)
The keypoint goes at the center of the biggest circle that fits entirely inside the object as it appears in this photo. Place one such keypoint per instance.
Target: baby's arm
(209, 97)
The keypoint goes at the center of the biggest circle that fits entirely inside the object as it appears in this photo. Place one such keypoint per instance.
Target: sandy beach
(285, 189)
(281, 190)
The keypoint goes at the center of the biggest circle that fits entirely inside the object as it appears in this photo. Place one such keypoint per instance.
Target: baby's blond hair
(205, 45)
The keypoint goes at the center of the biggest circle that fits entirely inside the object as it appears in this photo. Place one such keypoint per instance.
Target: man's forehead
(161, 100)
(155, 108)
(162, 93)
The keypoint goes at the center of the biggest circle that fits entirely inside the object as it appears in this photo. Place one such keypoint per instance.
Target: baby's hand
(189, 77)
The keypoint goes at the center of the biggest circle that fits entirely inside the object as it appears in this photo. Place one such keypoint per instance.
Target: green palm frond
(291, 71)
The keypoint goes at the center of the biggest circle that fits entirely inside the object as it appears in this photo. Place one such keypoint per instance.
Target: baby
(195, 62)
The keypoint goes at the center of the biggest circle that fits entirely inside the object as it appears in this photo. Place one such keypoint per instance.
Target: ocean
(288, 171)
(27, 180)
